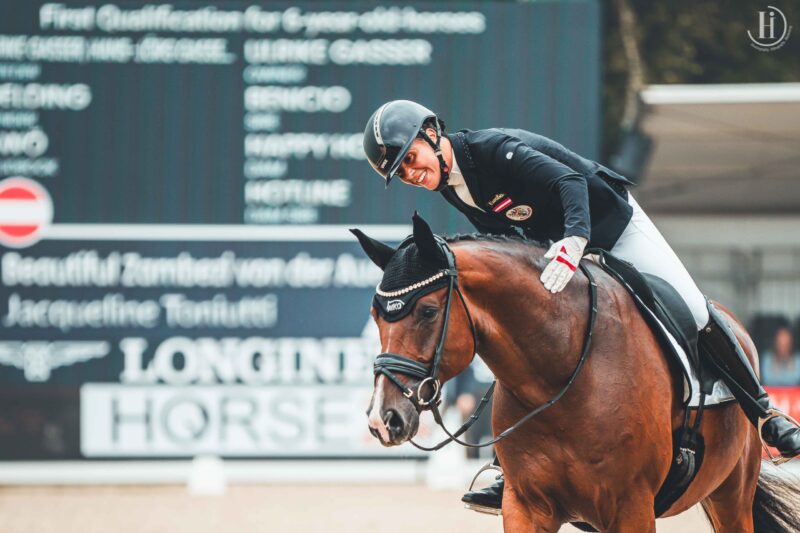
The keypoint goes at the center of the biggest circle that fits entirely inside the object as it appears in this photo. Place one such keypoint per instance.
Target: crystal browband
(415, 286)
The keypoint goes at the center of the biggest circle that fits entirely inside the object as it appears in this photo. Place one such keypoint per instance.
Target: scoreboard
(176, 184)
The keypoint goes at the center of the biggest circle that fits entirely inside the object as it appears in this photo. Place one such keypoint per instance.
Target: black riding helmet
(391, 130)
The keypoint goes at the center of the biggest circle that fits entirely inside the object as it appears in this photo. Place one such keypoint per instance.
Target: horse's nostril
(394, 422)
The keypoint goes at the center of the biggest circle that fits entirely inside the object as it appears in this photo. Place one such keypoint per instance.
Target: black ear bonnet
(408, 276)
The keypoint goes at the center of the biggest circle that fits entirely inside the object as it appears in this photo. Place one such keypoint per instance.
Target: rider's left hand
(565, 255)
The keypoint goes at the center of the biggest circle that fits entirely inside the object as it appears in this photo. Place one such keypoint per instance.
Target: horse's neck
(529, 338)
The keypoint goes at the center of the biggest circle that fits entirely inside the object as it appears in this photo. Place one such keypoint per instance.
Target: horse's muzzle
(399, 426)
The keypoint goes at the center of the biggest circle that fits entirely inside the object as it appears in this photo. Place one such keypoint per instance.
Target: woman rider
(513, 181)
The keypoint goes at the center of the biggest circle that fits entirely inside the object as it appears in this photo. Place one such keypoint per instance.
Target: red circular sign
(25, 209)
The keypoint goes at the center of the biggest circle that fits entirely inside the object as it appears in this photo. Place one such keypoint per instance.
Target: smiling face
(420, 166)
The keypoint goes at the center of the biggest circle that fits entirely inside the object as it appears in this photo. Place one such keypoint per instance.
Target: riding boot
(490, 499)
(718, 341)
(486, 500)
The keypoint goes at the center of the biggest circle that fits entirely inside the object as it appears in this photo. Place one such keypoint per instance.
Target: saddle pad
(720, 392)
(671, 320)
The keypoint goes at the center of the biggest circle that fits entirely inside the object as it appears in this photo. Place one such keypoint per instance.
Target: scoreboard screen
(176, 184)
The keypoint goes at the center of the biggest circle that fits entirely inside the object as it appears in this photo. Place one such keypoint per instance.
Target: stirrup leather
(774, 413)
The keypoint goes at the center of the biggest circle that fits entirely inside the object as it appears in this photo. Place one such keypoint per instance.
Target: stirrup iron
(484, 468)
(772, 413)
(480, 508)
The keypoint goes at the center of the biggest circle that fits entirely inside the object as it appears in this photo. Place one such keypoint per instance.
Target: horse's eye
(429, 312)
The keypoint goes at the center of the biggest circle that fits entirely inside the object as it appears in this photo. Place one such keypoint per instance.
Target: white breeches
(643, 245)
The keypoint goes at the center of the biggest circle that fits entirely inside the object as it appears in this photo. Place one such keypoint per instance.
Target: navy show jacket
(524, 180)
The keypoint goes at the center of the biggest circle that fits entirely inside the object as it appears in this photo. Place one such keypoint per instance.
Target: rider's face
(420, 166)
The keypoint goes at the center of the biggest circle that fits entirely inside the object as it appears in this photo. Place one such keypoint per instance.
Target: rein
(387, 363)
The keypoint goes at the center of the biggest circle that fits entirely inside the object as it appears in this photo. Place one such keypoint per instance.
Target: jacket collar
(461, 149)
(466, 164)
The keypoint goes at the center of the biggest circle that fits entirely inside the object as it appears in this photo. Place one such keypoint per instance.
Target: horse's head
(425, 331)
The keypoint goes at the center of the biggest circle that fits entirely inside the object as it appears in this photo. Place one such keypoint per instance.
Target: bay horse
(600, 454)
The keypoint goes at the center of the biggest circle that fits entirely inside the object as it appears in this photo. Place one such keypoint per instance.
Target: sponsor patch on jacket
(497, 197)
(520, 212)
(500, 206)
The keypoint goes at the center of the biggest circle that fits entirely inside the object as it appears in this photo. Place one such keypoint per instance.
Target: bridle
(388, 363)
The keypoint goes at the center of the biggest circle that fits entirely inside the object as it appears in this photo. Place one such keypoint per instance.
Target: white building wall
(749, 263)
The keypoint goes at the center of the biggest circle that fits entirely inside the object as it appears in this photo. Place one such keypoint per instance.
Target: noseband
(387, 363)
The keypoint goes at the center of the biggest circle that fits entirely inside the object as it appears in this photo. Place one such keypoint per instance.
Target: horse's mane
(529, 251)
(489, 237)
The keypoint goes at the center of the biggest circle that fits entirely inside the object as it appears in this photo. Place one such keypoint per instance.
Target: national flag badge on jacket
(502, 205)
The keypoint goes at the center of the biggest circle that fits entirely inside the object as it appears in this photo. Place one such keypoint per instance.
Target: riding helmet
(391, 130)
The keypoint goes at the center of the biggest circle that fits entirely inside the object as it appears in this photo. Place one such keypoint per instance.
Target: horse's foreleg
(519, 517)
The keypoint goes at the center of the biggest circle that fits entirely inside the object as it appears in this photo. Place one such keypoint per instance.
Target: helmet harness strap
(437, 150)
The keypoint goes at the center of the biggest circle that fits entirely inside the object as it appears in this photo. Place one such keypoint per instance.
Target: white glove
(565, 255)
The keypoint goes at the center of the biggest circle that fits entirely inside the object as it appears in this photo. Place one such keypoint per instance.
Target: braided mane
(489, 237)
(529, 251)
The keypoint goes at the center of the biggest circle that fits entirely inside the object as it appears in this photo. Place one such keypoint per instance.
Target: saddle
(661, 305)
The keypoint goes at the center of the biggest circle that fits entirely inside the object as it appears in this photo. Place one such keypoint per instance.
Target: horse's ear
(377, 251)
(426, 242)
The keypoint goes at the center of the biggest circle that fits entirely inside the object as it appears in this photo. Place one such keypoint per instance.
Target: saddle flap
(672, 310)
(659, 302)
